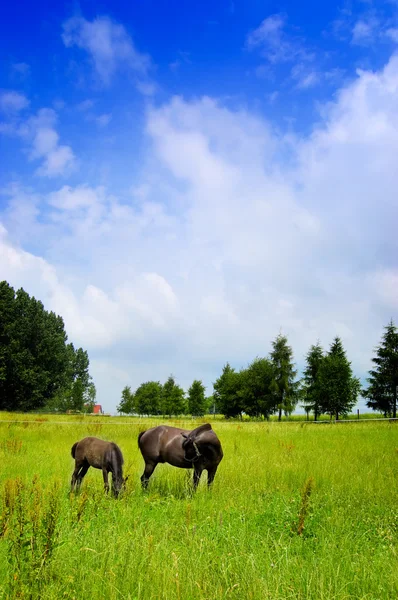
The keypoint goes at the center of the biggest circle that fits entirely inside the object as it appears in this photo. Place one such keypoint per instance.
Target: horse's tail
(73, 449)
(140, 436)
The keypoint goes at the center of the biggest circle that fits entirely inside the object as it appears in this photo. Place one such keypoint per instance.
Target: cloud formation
(274, 43)
(40, 132)
(12, 102)
(233, 231)
(108, 44)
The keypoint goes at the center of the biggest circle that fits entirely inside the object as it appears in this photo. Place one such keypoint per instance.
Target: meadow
(298, 510)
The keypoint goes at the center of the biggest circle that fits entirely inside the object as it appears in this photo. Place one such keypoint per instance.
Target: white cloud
(42, 140)
(85, 105)
(269, 33)
(21, 69)
(305, 77)
(41, 133)
(103, 120)
(233, 233)
(146, 88)
(272, 40)
(68, 198)
(12, 102)
(364, 31)
(392, 33)
(108, 44)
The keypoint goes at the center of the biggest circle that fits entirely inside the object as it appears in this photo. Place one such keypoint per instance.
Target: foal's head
(119, 485)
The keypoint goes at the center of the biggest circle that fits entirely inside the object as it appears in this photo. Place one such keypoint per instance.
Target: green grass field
(297, 511)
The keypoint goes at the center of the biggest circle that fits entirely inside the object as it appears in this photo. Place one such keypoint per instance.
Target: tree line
(153, 398)
(269, 385)
(38, 368)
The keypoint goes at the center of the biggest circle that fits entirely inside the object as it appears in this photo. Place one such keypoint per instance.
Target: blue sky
(182, 180)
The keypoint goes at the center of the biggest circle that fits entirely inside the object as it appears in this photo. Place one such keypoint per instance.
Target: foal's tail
(140, 436)
(73, 449)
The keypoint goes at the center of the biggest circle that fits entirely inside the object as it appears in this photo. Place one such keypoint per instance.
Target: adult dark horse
(107, 456)
(199, 449)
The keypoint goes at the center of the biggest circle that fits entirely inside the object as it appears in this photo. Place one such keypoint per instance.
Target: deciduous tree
(148, 397)
(126, 405)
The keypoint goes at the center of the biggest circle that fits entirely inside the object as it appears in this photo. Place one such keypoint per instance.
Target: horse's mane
(200, 429)
(118, 455)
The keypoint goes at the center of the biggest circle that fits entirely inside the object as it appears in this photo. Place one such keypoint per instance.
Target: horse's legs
(149, 469)
(105, 476)
(196, 476)
(211, 473)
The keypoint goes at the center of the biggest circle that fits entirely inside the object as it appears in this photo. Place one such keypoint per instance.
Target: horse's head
(190, 447)
(191, 441)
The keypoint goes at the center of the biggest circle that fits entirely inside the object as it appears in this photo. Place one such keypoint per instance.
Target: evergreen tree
(126, 405)
(148, 397)
(228, 392)
(310, 389)
(173, 398)
(338, 388)
(383, 379)
(283, 385)
(196, 399)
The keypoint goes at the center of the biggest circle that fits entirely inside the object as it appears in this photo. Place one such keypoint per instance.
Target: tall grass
(297, 511)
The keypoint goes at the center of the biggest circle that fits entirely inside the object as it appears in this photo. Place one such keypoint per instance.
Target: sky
(182, 181)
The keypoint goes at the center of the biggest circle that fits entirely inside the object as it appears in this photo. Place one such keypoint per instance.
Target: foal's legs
(73, 480)
(77, 468)
(81, 469)
(149, 469)
(105, 476)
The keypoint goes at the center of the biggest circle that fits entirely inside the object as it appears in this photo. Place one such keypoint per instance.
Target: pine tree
(338, 388)
(197, 399)
(383, 380)
(283, 385)
(310, 383)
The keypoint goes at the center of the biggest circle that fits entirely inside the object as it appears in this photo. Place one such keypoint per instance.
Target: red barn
(97, 410)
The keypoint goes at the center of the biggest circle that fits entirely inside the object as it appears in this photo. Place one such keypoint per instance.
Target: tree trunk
(337, 416)
(315, 415)
(280, 415)
(395, 403)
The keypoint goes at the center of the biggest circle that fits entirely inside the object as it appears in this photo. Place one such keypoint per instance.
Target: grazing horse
(198, 449)
(107, 456)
